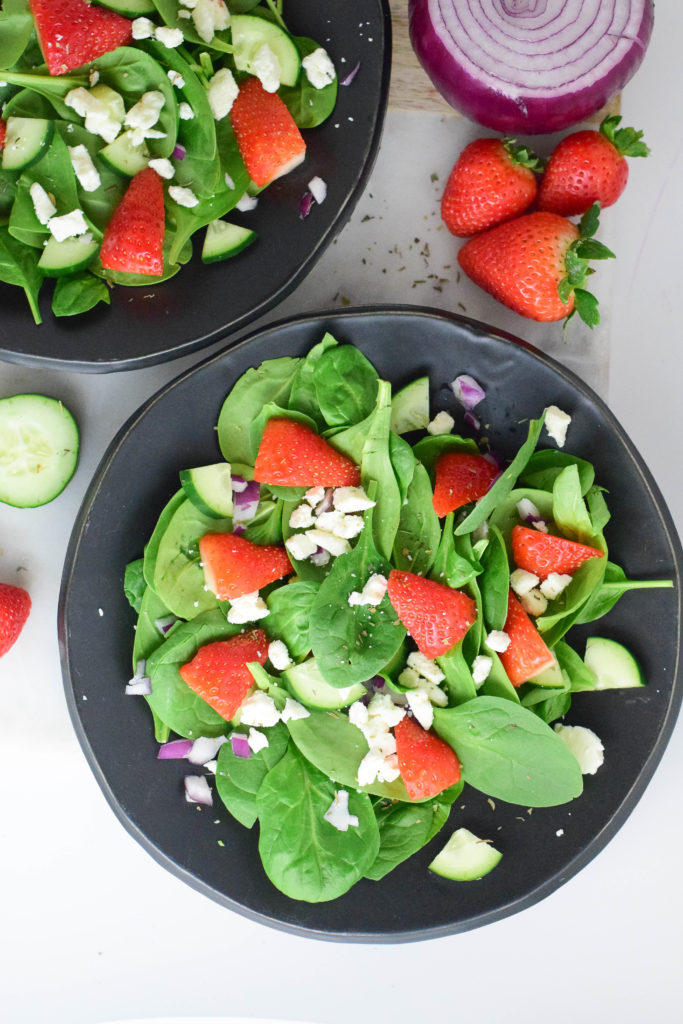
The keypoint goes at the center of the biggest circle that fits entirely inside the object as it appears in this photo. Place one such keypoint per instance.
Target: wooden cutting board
(411, 89)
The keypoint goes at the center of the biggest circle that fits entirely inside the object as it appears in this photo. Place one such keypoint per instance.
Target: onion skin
(526, 112)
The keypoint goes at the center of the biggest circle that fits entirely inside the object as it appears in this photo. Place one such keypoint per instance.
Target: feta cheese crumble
(556, 423)
(265, 65)
(553, 585)
(319, 68)
(301, 517)
(185, 112)
(586, 747)
(246, 203)
(328, 541)
(314, 495)
(99, 117)
(534, 603)
(293, 711)
(300, 546)
(183, 196)
(69, 225)
(345, 499)
(278, 655)
(143, 28)
(259, 710)
(481, 669)
(84, 168)
(247, 608)
(169, 37)
(523, 581)
(340, 524)
(42, 204)
(209, 17)
(442, 423)
(497, 641)
(372, 593)
(375, 722)
(143, 115)
(337, 814)
(257, 740)
(175, 78)
(163, 167)
(421, 707)
(222, 93)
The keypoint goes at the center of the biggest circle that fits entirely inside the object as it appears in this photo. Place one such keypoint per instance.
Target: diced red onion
(496, 458)
(530, 66)
(240, 744)
(318, 189)
(163, 625)
(351, 75)
(197, 790)
(238, 530)
(468, 392)
(472, 422)
(246, 502)
(305, 204)
(238, 484)
(205, 748)
(179, 151)
(174, 749)
(327, 502)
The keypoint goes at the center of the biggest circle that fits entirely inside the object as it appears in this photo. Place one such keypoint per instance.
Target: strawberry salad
(360, 609)
(127, 126)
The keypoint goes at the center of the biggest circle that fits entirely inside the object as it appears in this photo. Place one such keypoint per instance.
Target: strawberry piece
(435, 615)
(15, 605)
(527, 653)
(267, 134)
(233, 566)
(492, 181)
(134, 237)
(293, 455)
(589, 167)
(543, 553)
(219, 674)
(461, 478)
(3, 132)
(72, 32)
(427, 764)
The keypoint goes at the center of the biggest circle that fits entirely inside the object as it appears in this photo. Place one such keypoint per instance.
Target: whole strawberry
(15, 604)
(493, 180)
(589, 167)
(537, 265)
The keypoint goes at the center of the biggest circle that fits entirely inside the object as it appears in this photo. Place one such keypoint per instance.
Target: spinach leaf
(419, 531)
(497, 683)
(494, 581)
(545, 465)
(566, 609)
(78, 294)
(614, 585)
(305, 856)
(147, 639)
(16, 28)
(345, 385)
(505, 516)
(134, 583)
(552, 707)
(508, 753)
(131, 72)
(98, 205)
(172, 699)
(352, 643)
(309, 106)
(451, 567)
(168, 9)
(266, 526)
(597, 509)
(290, 611)
(505, 482)
(238, 779)
(269, 382)
(569, 509)
(406, 828)
(303, 397)
(403, 463)
(459, 683)
(428, 449)
(19, 265)
(53, 88)
(8, 188)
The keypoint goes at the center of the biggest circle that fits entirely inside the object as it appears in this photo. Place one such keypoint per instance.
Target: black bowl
(540, 850)
(201, 303)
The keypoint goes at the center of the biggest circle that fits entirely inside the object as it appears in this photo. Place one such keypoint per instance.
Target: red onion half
(530, 66)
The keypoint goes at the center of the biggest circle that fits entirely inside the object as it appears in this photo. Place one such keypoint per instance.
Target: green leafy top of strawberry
(585, 248)
(522, 156)
(627, 141)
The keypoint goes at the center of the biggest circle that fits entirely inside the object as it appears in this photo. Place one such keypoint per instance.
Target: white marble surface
(93, 930)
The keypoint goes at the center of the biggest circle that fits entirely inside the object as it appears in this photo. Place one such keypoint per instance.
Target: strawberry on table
(72, 32)
(134, 237)
(588, 167)
(543, 553)
(219, 674)
(527, 653)
(537, 265)
(293, 455)
(267, 135)
(459, 479)
(233, 566)
(427, 764)
(435, 615)
(492, 181)
(15, 605)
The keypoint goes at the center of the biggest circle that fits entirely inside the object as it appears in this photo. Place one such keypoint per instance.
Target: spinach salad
(71, 142)
(310, 754)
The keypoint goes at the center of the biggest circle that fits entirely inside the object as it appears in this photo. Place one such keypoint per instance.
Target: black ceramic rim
(541, 850)
(204, 303)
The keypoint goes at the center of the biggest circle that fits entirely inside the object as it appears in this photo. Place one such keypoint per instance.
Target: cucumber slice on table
(223, 239)
(26, 140)
(129, 8)
(410, 407)
(308, 685)
(38, 449)
(465, 857)
(122, 156)
(614, 666)
(250, 33)
(209, 488)
(68, 256)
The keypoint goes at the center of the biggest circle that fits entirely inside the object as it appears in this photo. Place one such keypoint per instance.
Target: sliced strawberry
(527, 654)
(134, 237)
(293, 455)
(72, 33)
(543, 553)
(267, 135)
(219, 674)
(461, 478)
(435, 615)
(427, 764)
(15, 605)
(3, 132)
(233, 566)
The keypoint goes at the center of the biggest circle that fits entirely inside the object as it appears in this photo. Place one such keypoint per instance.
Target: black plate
(151, 324)
(175, 430)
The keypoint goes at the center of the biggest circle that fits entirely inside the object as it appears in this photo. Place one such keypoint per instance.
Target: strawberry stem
(522, 156)
(576, 259)
(626, 141)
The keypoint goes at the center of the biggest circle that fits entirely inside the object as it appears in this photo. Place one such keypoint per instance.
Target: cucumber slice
(129, 8)
(122, 156)
(223, 239)
(308, 686)
(614, 665)
(465, 857)
(209, 489)
(410, 407)
(550, 677)
(67, 257)
(38, 449)
(250, 33)
(26, 140)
